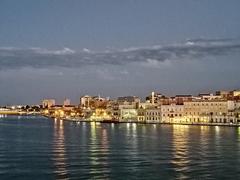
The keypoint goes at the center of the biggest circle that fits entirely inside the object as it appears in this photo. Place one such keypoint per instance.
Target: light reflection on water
(217, 138)
(204, 137)
(180, 149)
(93, 144)
(99, 150)
(59, 152)
(66, 150)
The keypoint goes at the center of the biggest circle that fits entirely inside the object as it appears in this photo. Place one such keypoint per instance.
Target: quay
(17, 113)
(12, 112)
(79, 120)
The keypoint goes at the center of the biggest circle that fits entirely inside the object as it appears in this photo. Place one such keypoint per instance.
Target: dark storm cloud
(12, 58)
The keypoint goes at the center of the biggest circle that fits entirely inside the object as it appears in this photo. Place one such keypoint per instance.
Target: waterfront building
(69, 107)
(236, 93)
(172, 113)
(141, 115)
(206, 111)
(100, 114)
(222, 108)
(231, 105)
(87, 113)
(113, 109)
(98, 102)
(153, 115)
(56, 111)
(9, 111)
(93, 102)
(85, 101)
(237, 104)
(237, 115)
(128, 115)
(128, 108)
(233, 112)
(66, 102)
(47, 103)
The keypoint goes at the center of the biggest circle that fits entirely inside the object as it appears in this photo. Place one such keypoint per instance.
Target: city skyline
(61, 49)
(119, 89)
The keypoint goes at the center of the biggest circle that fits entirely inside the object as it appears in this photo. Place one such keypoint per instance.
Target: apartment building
(172, 113)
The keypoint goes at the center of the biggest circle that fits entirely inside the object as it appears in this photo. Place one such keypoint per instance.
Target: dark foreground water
(38, 148)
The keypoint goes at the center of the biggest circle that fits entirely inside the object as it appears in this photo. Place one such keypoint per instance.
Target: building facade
(66, 102)
(47, 103)
(153, 115)
(172, 113)
(128, 115)
(206, 111)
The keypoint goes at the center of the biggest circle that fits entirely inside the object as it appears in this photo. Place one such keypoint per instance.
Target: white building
(66, 102)
(128, 114)
(172, 113)
(153, 115)
(209, 96)
(47, 103)
(85, 101)
(146, 105)
(236, 93)
(207, 111)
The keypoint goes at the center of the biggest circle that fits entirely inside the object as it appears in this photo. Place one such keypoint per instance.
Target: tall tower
(153, 98)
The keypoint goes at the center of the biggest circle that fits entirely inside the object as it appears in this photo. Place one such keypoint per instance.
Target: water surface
(41, 148)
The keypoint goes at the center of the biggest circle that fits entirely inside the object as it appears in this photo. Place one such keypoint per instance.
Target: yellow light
(61, 113)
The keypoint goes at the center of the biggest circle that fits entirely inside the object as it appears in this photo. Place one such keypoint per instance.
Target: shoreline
(137, 122)
(118, 122)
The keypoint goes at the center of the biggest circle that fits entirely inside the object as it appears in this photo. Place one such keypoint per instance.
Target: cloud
(153, 63)
(86, 50)
(196, 49)
(64, 51)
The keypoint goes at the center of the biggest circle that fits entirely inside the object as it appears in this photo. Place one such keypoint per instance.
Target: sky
(68, 48)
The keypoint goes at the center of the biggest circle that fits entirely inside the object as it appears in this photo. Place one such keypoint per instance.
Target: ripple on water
(44, 149)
